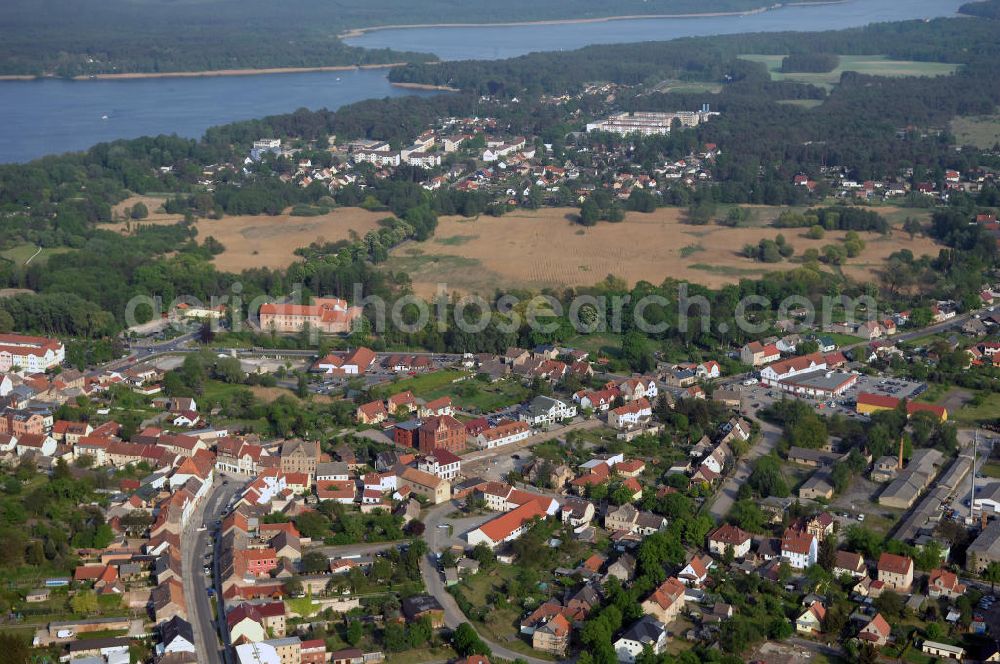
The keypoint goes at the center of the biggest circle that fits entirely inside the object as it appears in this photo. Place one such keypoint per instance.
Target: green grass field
(842, 339)
(970, 414)
(421, 385)
(983, 131)
(874, 65)
(24, 252)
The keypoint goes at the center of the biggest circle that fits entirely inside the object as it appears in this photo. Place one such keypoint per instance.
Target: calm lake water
(486, 43)
(53, 116)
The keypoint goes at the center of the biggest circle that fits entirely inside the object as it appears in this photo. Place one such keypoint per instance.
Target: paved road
(437, 538)
(726, 495)
(194, 545)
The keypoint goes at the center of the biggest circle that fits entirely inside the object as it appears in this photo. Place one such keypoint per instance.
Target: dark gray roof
(176, 627)
(647, 630)
(417, 604)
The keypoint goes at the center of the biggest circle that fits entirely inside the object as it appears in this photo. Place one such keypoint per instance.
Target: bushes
(769, 251)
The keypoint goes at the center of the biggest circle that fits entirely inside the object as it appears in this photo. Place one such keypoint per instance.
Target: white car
(861, 517)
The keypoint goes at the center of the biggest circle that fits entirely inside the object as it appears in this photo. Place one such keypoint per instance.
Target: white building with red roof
(30, 354)
(507, 527)
(442, 463)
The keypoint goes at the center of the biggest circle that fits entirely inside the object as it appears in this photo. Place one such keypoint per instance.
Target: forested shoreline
(87, 37)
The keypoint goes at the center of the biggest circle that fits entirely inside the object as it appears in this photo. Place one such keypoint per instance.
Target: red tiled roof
(502, 526)
(890, 562)
(729, 534)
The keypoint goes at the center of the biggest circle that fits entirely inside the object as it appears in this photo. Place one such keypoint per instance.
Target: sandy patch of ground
(263, 240)
(545, 248)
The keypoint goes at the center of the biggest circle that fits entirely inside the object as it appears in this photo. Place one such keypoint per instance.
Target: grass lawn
(989, 409)
(215, 390)
(842, 339)
(599, 343)
(476, 396)
(991, 469)
(421, 385)
(21, 253)
(873, 65)
(302, 605)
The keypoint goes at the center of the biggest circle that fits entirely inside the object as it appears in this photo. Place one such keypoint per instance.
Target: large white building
(503, 434)
(546, 410)
(30, 354)
(649, 123)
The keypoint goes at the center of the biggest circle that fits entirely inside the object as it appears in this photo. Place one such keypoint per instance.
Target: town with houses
(404, 526)
(477, 154)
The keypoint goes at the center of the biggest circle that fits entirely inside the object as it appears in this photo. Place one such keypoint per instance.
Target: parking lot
(761, 396)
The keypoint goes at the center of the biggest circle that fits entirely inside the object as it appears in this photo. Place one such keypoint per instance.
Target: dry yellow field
(545, 248)
(264, 240)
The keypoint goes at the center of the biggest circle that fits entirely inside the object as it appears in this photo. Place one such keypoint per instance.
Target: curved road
(453, 616)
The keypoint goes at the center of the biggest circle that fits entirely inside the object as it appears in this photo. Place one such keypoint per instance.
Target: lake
(508, 41)
(49, 116)
(52, 116)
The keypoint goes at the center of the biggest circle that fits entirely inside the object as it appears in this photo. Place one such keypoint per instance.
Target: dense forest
(809, 62)
(84, 37)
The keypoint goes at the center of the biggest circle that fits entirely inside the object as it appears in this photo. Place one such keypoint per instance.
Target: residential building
(435, 489)
(985, 549)
(876, 632)
(647, 632)
(543, 411)
(800, 549)
(848, 562)
(942, 583)
(666, 602)
(896, 572)
(729, 536)
(757, 354)
(30, 354)
(811, 620)
(418, 607)
(553, 636)
(441, 463)
(631, 415)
